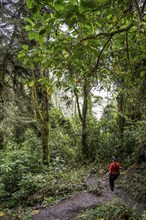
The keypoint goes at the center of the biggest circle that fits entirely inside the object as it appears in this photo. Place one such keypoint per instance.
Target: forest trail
(69, 208)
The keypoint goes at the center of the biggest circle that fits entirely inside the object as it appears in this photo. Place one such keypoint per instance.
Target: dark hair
(114, 159)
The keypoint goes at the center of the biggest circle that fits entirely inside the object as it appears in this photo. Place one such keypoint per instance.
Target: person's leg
(111, 181)
(116, 175)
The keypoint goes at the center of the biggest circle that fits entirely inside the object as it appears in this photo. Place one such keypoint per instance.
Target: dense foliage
(56, 58)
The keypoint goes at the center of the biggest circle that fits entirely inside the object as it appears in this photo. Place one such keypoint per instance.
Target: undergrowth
(115, 210)
(133, 182)
(40, 190)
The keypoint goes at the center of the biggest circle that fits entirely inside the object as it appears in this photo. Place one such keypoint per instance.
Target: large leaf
(29, 21)
(31, 35)
(30, 3)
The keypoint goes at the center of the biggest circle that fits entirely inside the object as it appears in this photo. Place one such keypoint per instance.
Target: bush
(18, 165)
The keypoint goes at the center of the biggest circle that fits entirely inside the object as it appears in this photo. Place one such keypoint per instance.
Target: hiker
(114, 172)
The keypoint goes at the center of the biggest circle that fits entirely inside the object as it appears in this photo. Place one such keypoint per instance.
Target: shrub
(17, 168)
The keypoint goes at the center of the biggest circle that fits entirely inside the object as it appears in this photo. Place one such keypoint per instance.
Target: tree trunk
(121, 119)
(18, 89)
(45, 129)
(85, 149)
(83, 118)
(41, 109)
(2, 72)
(1, 109)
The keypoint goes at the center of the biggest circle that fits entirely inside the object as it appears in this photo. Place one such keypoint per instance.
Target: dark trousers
(112, 178)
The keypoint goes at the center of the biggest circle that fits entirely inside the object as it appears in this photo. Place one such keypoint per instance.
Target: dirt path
(68, 209)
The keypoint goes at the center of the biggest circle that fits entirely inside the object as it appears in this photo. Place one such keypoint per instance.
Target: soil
(68, 209)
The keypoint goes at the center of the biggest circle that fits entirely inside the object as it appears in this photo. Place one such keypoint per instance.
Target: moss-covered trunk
(40, 99)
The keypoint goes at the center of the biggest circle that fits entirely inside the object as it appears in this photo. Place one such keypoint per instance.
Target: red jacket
(114, 167)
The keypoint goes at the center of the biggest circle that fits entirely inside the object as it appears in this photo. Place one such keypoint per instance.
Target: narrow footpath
(69, 209)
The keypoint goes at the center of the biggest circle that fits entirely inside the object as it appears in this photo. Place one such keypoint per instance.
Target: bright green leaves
(25, 47)
(29, 21)
(59, 6)
(29, 57)
(75, 46)
(44, 83)
(30, 3)
(31, 83)
(37, 29)
(37, 36)
(31, 35)
(21, 55)
(41, 22)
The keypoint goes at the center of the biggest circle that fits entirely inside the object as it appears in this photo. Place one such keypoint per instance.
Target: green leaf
(31, 83)
(31, 65)
(29, 21)
(49, 90)
(73, 1)
(40, 38)
(31, 35)
(109, 16)
(142, 73)
(37, 16)
(21, 55)
(29, 3)
(28, 27)
(37, 59)
(59, 74)
(37, 26)
(25, 47)
(60, 6)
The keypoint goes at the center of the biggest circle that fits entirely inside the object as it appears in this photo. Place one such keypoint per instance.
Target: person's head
(114, 159)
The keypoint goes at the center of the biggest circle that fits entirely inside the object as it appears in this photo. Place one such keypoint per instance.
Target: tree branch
(97, 62)
(105, 34)
(78, 106)
(137, 9)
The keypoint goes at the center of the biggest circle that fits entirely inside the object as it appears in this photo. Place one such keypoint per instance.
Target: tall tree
(11, 13)
(41, 103)
(96, 41)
